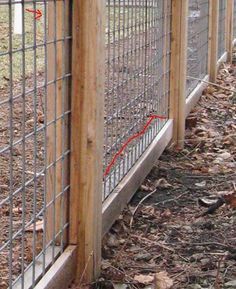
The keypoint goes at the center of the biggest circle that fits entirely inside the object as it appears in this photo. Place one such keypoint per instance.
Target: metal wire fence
(137, 80)
(34, 147)
(222, 28)
(35, 87)
(198, 31)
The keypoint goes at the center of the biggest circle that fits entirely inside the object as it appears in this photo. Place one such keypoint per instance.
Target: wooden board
(229, 28)
(213, 38)
(57, 103)
(178, 69)
(223, 59)
(62, 273)
(195, 95)
(37, 270)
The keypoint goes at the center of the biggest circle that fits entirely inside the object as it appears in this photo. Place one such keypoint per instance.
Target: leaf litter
(165, 238)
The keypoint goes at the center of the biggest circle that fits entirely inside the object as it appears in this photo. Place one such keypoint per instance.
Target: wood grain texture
(178, 69)
(87, 123)
(213, 38)
(57, 102)
(229, 29)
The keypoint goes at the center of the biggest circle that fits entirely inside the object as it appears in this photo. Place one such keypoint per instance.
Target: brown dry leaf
(148, 210)
(17, 210)
(162, 183)
(146, 188)
(162, 281)
(38, 227)
(166, 214)
(230, 199)
(144, 279)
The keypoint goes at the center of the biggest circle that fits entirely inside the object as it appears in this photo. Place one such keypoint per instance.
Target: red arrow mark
(151, 118)
(37, 13)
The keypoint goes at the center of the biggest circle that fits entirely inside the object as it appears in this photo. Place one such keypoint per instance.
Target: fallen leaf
(201, 184)
(230, 199)
(37, 227)
(145, 188)
(162, 281)
(162, 183)
(166, 214)
(112, 241)
(17, 210)
(144, 279)
(225, 155)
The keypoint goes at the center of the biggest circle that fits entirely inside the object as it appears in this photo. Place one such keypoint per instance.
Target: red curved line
(151, 118)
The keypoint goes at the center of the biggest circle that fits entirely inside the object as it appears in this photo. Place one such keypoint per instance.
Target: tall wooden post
(57, 103)
(166, 32)
(87, 123)
(213, 38)
(178, 69)
(229, 28)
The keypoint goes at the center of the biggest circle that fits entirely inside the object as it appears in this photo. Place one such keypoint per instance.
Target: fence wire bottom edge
(28, 274)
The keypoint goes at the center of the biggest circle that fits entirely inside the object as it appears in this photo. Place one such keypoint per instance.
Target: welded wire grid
(222, 28)
(34, 111)
(198, 31)
(137, 80)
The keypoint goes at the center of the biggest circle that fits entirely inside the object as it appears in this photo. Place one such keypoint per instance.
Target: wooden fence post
(87, 123)
(178, 69)
(213, 38)
(229, 29)
(57, 104)
(166, 28)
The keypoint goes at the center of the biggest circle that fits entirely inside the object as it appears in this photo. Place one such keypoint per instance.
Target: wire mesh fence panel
(34, 146)
(137, 82)
(198, 32)
(222, 28)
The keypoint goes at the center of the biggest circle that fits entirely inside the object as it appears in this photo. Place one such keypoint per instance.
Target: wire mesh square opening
(198, 43)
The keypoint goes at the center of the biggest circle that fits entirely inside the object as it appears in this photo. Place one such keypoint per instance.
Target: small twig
(135, 210)
(122, 272)
(85, 268)
(170, 200)
(154, 243)
(217, 281)
(193, 150)
(178, 274)
(212, 83)
(228, 247)
(226, 270)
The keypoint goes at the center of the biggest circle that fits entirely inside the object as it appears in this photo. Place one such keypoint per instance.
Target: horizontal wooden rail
(195, 95)
(62, 273)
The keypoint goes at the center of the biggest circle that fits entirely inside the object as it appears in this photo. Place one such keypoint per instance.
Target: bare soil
(23, 163)
(169, 232)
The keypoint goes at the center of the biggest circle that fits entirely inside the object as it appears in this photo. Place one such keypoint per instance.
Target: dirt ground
(25, 206)
(167, 236)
